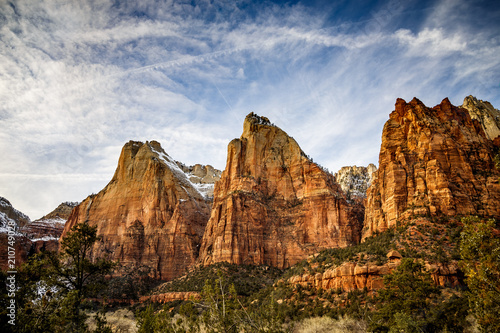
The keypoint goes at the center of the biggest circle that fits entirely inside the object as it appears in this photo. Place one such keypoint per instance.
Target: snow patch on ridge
(44, 239)
(6, 223)
(176, 170)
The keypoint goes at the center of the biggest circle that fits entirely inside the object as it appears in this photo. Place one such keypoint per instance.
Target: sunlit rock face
(273, 205)
(150, 213)
(433, 161)
(351, 276)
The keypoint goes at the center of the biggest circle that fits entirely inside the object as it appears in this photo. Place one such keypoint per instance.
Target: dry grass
(120, 321)
(330, 325)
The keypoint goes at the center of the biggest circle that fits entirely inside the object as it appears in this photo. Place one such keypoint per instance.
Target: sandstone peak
(273, 205)
(149, 214)
(62, 211)
(254, 123)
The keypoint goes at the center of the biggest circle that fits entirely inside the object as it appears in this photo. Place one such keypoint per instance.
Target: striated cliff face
(433, 161)
(149, 214)
(355, 180)
(273, 205)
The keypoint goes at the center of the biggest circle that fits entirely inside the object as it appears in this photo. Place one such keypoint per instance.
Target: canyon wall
(434, 162)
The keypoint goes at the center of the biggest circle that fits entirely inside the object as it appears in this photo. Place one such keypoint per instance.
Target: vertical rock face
(149, 214)
(273, 205)
(485, 113)
(433, 161)
(355, 180)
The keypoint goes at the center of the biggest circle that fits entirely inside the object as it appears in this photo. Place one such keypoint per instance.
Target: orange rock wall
(273, 205)
(433, 161)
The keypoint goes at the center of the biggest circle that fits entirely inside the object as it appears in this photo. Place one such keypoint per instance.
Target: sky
(80, 78)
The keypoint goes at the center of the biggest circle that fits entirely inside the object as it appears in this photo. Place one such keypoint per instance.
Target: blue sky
(78, 79)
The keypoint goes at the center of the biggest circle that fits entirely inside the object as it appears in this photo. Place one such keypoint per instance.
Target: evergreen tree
(55, 284)
(405, 302)
(480, 252)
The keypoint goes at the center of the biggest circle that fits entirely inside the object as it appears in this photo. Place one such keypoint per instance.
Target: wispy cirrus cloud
(80, 78)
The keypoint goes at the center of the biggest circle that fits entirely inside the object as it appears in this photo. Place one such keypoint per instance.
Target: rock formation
(149, 214)
(485, 113)
(8, 212)
(435, 162)
(355, 180)
(44, 233)
(352, 276)
(14, 246)
(273, 205)
(171, 297)
(203, 176)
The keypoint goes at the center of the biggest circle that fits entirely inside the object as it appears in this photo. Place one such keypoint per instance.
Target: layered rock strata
(44, 233)
(273, 205)
(435, 162)
(352, 276)
(149, 214)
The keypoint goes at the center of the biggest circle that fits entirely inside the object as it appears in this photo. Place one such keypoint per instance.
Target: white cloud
(79, 79)
(430, 42)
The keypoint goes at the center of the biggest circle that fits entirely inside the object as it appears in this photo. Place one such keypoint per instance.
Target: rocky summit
(273, 205)
(150, 214)
(436, 162)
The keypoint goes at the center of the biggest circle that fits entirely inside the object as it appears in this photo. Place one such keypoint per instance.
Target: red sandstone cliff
(149, 214)
(273, 205)
(433, 161)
